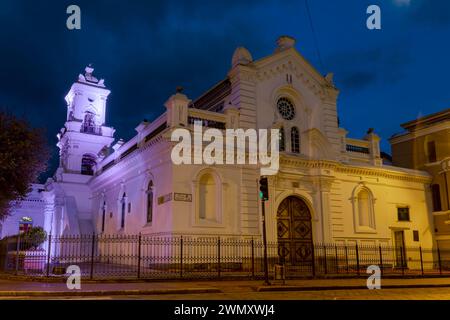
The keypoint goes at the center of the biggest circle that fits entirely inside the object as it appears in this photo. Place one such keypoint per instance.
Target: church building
(330, 187)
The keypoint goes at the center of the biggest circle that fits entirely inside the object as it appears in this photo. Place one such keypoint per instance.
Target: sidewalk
(26, 288)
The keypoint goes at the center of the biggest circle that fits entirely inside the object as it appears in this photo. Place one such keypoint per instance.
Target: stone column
(374, 148)
(243, 96)
(49, 208)
(343, 134)
(322, 196)
(329, 117)
(177, 110)
(232, 113)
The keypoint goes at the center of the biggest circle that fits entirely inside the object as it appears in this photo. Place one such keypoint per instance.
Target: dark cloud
(356, 70)
(431, 12)
(358, 80)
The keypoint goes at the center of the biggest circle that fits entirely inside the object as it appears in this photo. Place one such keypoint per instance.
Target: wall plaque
(165, 198)
(186, 197)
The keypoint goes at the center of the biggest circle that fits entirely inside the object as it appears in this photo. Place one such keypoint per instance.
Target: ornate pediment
(291, 63)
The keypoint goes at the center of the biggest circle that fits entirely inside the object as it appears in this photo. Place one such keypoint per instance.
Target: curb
(331, 288)
(109, 292)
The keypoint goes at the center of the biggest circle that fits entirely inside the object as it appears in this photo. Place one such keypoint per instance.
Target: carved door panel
(294, 230)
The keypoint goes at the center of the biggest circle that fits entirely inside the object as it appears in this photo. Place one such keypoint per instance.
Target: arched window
(295, 140)
(363, 208)
(88, 125)
(87, 164)
(281, 142)
(208, 198)
(150, 202)
(122, 210)
(103, 215)
(364, 211)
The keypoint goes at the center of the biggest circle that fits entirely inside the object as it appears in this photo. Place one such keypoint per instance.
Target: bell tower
(85, 138)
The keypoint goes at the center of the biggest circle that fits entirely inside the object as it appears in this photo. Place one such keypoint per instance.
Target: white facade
(338, 190)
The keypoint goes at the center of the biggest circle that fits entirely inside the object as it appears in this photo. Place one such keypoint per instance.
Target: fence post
(92, 256)
(48, 254)
(346, 258)
(253, 259)
(421, 259)
(17, 253)
(336, 254)
(325, 258)
(357, 259)
(439, 260)
(402, 262)
(139, 255)
(313, 261)
(381, 259)
(181, 257)
(218, 257)
(405, 257)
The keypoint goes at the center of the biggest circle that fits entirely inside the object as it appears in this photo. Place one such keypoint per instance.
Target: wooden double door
(294, 230)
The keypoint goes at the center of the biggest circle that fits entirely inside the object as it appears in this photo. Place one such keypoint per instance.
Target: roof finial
(89, 69)
(179, 89)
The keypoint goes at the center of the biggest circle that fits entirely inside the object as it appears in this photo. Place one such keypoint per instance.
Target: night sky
(145, 49)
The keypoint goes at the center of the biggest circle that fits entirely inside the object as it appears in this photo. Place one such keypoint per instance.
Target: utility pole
(264, 195)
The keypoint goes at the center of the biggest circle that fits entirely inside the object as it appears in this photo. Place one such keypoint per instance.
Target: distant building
(425, 145)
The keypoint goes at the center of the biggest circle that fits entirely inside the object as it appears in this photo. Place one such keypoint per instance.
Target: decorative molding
(298, 162)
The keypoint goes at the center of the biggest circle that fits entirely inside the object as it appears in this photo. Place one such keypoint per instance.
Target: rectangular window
(403, 214)
(416, 235)
(129, 207)
(431, 151)
(436, 194)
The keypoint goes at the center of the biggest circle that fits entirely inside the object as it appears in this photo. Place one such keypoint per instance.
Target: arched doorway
(294, 229)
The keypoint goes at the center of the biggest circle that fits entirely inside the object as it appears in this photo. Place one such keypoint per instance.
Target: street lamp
(264, 195)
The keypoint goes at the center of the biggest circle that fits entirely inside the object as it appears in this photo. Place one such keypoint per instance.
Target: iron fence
(149, 257)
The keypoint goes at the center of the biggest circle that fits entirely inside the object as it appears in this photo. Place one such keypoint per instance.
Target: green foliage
(34, 237)
(31, 239)
(23, 156)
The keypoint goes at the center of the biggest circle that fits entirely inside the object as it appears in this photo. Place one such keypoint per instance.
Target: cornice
(406, 136)
(420, 177)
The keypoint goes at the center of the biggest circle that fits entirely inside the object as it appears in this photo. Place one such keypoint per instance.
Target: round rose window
(286, 108)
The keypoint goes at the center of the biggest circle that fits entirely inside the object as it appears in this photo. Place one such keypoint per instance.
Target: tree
(34, 237)
(23, 156)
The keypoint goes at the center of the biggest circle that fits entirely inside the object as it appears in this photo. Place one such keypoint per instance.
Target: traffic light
(263, 189)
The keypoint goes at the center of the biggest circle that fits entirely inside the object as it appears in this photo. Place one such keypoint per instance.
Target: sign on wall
(165, 198)
(186, 197)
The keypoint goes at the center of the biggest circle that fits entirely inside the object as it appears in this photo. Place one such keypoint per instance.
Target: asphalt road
(383, 294)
